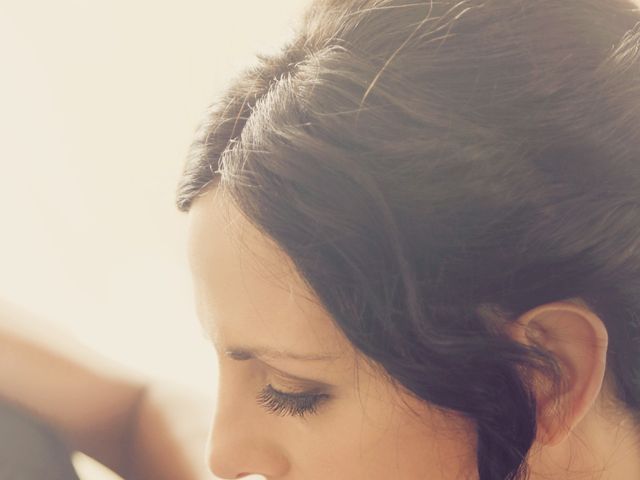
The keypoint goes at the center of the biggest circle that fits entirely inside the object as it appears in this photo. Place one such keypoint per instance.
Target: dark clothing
(29, 450)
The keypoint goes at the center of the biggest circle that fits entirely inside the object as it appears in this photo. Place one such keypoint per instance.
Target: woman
(415, 244)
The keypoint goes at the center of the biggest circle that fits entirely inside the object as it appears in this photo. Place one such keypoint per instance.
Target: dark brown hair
(436, 168)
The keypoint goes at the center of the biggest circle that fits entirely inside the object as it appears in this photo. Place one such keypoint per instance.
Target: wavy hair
(435, 170)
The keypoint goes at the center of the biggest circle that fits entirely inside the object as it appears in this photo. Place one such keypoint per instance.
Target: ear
(578, 339)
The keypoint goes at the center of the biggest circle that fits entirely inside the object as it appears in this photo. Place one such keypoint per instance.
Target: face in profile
(294, 399)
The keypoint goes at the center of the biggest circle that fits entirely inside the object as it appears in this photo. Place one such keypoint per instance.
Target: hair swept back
(435, 170)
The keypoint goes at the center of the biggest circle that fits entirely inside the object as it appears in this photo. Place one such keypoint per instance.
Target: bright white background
(98, 103)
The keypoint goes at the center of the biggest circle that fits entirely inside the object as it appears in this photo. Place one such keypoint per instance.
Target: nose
(237, 449)
(242, 440)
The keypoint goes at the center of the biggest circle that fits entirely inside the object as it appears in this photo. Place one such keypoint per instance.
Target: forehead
(247, 289)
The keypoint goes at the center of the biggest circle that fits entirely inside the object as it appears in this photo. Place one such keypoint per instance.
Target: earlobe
(578, 339)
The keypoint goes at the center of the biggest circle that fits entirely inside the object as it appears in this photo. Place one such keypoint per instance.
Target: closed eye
(293, 404)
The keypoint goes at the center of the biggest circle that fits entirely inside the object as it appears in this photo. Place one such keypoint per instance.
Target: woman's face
(271, 335)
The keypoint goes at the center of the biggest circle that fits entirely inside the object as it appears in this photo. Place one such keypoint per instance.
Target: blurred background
(99, 102)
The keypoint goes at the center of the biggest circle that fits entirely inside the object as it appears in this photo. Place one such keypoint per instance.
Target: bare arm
(139, 430)
(170, 435)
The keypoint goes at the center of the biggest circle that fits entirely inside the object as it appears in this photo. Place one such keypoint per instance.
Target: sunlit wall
(99, 101)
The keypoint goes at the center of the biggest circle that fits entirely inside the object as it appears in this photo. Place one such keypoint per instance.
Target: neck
(605, 445)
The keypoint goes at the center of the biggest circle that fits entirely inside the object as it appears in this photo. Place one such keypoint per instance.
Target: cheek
(374, 436)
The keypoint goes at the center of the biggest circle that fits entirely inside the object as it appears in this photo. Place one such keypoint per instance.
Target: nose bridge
(242, 438)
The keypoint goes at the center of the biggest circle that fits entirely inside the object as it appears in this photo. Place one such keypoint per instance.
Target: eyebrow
(241, 352)
(246, 353)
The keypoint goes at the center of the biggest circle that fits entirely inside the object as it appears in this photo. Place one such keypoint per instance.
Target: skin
(249, 295)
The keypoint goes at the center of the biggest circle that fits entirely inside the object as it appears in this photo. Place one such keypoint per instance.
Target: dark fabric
(29, 450)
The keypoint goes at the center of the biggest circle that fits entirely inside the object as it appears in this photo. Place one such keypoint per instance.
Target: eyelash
(281, 403)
